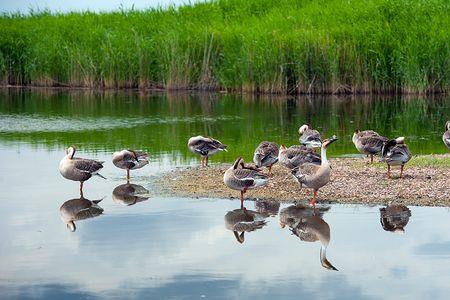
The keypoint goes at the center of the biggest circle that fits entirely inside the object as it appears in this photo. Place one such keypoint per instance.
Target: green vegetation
(282, 46)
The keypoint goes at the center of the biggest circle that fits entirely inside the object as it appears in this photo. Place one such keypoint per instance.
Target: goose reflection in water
(267, 207)
(308, 225)
(129, 194)
(79, 209)
(243, 220)
(395, 217)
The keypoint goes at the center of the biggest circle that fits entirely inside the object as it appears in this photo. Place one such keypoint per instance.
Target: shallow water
(180, 248)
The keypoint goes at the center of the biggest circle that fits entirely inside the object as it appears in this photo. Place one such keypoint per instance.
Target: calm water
(180, 248)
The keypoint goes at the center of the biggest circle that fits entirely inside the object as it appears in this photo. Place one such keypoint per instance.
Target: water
(180, 248)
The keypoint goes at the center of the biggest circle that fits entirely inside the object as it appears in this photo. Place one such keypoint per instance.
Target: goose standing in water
(243, 179)
(446, 135)
(309, 137)
(314, 228)
(315, 176)
(129, 160)
(266, 155)
(395, 153)
(243, 220)
(79, 169)
(205, 146)
(79, 209)
(368, 142)
(295, 156)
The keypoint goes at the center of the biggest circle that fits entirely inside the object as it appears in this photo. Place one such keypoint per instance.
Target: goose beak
(327, 265)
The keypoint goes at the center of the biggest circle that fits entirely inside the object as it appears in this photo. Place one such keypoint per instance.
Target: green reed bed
(268, 46)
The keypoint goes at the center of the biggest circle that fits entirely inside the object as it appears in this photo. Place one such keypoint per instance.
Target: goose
(315, 176)
(79, 169)
(309, 137)
(205, 146)
(394, 217)
(368, 142)
(314, 228)
(243, 220)
(395, 153)
(266, 155)
(243, 179)
(446, 135)
(129, 194)
(79, 209)
(129, 160)
(296, 155)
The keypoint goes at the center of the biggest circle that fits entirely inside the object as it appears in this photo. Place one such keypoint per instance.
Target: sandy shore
(353, 181)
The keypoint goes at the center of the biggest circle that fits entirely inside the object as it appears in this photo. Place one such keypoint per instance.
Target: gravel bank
(353, 181)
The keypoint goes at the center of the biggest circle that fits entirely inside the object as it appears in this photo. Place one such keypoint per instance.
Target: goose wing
(205, 145)
(309, 136)
(399, 152)
(266, 154)
(372, 143)
(87, 165)
(247, 177)
(304, 170)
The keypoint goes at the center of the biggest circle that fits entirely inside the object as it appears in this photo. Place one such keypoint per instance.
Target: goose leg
(242, 197)
(128, 175)
(81, 189)
(401, 171)
(313, 200)
(207, 161)
(389, 172)
(371, 158)
(270, 170)
(202, 161)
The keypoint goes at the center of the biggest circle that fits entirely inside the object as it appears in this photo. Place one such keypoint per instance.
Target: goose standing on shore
(129, 160)
(315, 176)
(296, 155)
(395, 153)
(446, 135)
(79, 209)
(368, 142)
(205, 147)
(79, 169)
(266, 155)
(309, 137)
(243, 179)
(312, 229)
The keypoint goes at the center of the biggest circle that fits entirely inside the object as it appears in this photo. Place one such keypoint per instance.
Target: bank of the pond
(256, 46)
(426, 183)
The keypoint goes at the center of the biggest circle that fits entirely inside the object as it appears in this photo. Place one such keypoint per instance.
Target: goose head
(71, 226)
(324, 261)
(303, 128)
(400, 140)
(71, 151)
(134, 155)
(239, 237)
(447, 125)
(327, 142)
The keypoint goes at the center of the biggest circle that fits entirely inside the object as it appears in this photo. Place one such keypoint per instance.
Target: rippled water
(155, 246)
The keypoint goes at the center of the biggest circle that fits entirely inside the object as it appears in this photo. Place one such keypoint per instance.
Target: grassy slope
(282, 46)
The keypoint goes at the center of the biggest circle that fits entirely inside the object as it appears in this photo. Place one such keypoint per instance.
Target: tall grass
(267, 46)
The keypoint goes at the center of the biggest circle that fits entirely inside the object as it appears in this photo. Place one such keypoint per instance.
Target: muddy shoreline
(352, 181)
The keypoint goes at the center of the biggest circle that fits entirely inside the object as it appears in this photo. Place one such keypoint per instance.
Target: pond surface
(180, 248)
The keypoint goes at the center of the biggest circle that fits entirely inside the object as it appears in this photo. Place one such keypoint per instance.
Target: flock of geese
(307, 167)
